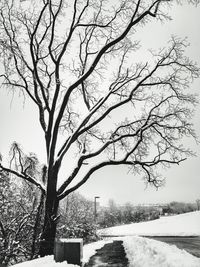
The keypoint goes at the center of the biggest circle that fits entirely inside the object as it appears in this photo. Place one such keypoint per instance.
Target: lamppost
(95, 207)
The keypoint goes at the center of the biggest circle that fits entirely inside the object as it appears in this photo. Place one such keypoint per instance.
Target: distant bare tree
(76, 62)
(198, 204)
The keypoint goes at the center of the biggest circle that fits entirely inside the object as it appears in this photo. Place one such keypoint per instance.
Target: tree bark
(50, 220)
(49, 232)
(37, 224)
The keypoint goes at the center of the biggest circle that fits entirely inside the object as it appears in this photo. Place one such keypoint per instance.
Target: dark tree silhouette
(75, 61)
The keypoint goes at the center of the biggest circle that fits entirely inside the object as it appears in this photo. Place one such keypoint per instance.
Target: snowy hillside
(187, 224)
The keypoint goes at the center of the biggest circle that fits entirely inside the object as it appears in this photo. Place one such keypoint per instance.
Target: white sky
(18, 121)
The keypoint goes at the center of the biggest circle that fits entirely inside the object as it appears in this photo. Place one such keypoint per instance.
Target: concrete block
(70, 250)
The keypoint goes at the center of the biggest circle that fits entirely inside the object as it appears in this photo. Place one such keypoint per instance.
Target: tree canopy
(73, 61)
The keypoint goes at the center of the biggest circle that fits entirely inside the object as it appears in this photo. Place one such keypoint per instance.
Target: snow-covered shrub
(77, 218)
(19, 233)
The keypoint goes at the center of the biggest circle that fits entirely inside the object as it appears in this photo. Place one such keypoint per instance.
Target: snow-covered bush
(20, 220)
(77, 218)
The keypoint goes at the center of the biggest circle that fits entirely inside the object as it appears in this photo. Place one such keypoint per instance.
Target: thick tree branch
(24, 176)
(91, 69)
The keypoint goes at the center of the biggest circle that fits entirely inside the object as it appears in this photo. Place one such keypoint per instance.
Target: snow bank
(187, 224)
(88, 251)
(143, 252)
(47, 261)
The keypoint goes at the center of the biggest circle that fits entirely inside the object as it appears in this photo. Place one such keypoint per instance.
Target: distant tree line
(180, 207)
(116, 215)
(78, 218)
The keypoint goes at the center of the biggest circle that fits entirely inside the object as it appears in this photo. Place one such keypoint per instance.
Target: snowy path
(110, 255)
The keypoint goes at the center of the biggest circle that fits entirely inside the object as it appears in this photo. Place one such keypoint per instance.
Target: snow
(187, 224)
(141, 251)
(47, 261)
(70, 240)
(90, 249)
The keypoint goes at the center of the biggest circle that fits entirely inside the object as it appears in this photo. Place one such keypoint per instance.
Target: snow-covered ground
(143, 252)
(187, 224)
(47, 261)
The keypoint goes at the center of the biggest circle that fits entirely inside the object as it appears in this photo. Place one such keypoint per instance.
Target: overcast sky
(182, 182)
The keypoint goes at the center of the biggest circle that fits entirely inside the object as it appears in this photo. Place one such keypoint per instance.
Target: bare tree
(76, 63)
(198, 204)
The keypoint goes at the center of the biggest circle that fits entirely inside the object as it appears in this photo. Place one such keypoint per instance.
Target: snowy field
(187, 224)
(143, 252)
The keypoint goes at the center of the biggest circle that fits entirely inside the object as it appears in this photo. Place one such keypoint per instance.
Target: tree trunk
(50, 219)
(49, 231)
(36, 227)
